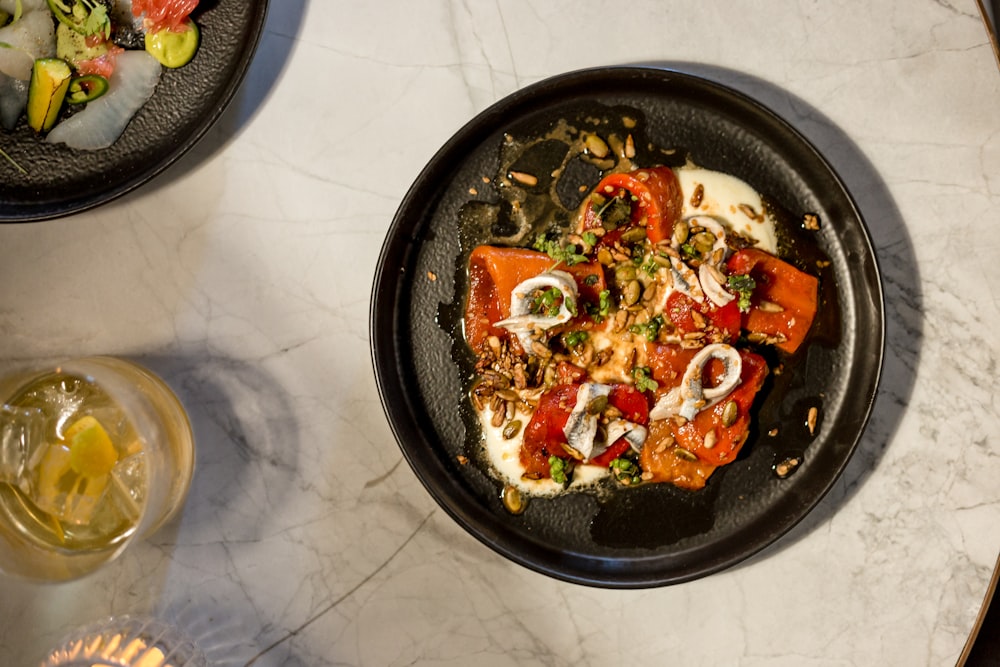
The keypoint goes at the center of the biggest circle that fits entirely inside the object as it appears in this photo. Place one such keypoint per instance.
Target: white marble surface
(243, 274)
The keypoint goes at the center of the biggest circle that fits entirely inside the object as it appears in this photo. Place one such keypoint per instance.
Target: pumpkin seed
(730, 413)
(682, 453)
(680, 232)
(624, 273)
(661, 260)
(512, 499)
(703, 242)
(632, 292)
(512, 429)
(634, 235)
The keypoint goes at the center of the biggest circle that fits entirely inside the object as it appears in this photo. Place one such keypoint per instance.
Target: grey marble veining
(242, 276)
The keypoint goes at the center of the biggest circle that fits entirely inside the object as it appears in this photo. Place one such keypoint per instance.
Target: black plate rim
(85, 201)
(404, 416)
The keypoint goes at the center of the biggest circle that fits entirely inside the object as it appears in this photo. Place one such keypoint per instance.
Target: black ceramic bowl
(185, 104)
(655, 534)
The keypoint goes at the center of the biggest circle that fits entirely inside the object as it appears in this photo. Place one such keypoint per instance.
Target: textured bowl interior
(655, 534)
(185, 104)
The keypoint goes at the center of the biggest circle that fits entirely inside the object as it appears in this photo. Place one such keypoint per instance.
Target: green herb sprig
(559, 470)
(567, 254)
(743, 286)
(625, 471)
(643, 377)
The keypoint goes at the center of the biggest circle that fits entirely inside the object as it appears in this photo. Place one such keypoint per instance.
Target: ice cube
(63, 492)
(22, 437)
(128, 485)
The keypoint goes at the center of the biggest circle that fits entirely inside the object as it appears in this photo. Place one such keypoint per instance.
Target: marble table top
(242, 275)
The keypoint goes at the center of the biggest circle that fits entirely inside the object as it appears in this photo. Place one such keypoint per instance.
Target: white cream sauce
(721, 199)
(505, 457)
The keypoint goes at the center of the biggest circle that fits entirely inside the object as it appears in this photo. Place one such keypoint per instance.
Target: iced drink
(92, 453)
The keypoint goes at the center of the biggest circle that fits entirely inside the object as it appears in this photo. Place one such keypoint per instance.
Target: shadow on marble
(246, 440)
(897, 263)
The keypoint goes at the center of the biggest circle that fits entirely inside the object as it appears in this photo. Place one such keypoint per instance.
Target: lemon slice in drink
(91, 452)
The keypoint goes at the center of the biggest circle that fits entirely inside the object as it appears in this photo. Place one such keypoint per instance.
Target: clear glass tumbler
(94, 453)
(126, 641)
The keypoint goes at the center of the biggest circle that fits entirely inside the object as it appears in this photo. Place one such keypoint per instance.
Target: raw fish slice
(13, 100)
(32, 37)
(104, 119)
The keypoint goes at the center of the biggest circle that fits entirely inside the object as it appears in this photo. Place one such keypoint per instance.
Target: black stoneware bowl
(185, 104)
(654, 534)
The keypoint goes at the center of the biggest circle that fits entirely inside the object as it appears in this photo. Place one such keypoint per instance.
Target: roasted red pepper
(707, 436)
(654, 195)
(726, 320)
(668, 364)
(545, 434)
(794, 292)
(494, 272)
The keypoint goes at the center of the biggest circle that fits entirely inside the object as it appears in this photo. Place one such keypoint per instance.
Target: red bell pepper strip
(726, 319)
(663, 464)
(724, 443)
(777, 282)
(655, 197)
(494, 272)
(545, 433)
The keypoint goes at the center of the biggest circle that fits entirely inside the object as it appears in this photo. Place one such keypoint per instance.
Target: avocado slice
(50, 79)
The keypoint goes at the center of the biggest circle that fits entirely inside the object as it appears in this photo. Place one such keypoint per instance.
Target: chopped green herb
(743, 286)
(649, 329)
(604, 303)
(97, 21)
(590, 238)
(643, 379)
(574, 338)
(561, 253)
(591, 280)
(560, 470)
(625, 471)
(599, 311)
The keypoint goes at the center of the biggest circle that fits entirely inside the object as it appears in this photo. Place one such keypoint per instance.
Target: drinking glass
(94, 453)
(126, 641)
